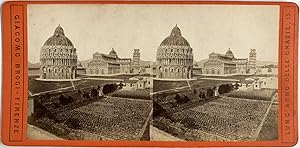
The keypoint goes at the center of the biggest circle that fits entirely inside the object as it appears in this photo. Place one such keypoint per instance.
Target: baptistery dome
(58, 57)
(175, 38)
(174, 57)
(58, 38)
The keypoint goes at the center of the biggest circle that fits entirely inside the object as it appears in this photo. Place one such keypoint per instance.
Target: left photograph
(84, 82)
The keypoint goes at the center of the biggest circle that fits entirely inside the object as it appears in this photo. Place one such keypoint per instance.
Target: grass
(35, 86)
(262, 94)
(159, 85)
(238, 77)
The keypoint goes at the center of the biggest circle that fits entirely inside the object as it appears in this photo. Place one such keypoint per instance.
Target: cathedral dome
(175, 38)
(113, 53)
(58, 38)
(229, 53)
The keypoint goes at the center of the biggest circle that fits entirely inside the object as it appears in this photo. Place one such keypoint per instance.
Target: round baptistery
(58, 57)
(174, 57)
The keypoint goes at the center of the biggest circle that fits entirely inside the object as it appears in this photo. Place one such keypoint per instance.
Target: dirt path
(145, 124)
(159, 135)
(34, 132)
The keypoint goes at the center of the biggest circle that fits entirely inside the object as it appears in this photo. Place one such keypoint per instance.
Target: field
(107, 119)
(262, 94)
(220, 119)
(112, 118)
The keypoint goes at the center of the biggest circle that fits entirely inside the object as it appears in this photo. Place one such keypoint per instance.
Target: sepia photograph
(216, 75)
(89, 75)
(153, 72)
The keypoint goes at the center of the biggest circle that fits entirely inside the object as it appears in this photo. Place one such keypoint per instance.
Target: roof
(270, 66)
(175, 38)
(130, 81)
(246, 81)
(58, 38)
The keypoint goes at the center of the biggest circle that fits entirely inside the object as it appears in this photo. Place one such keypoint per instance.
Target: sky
(208, 28)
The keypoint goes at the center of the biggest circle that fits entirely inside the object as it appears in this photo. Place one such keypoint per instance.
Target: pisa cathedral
(223, 64)
(58, 57)
(174, 57)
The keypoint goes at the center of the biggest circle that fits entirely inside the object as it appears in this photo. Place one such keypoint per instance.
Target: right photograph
(216, 79)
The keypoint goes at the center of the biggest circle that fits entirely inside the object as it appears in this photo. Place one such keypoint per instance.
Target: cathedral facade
(223, 64)
(174, 57)
(58, 57)
(107, 64)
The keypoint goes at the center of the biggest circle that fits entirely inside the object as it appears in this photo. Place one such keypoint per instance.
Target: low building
(268, 69)
(265, 82)
(130, 84)
(138, 83)
(197, 70)
(145, 83)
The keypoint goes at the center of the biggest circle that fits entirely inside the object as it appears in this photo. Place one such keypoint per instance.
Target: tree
(181, 98)
(210, 92)
(236, 86)
(109, 88)
(158, 110)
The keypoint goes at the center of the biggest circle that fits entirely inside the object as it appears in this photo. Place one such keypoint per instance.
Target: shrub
(181, 98)
(40, 110)
(65, 100)
(109, 88)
